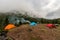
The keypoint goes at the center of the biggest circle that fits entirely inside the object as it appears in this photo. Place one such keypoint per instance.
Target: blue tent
(33, 24)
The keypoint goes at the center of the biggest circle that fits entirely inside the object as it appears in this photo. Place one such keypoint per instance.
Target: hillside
(38, 32)
(27, 32)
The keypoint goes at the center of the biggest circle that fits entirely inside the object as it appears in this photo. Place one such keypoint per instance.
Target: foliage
(4, 19)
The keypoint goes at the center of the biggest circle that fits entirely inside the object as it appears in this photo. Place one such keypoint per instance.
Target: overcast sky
(40, 8)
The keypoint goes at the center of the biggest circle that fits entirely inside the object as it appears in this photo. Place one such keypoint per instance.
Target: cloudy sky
(40, 8)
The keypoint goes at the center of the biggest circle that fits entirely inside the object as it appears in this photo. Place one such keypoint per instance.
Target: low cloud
(37, 8)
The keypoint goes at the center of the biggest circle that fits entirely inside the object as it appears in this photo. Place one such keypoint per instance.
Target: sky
(49, 9)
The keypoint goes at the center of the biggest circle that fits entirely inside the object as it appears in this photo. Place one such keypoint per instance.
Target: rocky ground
(38, 32)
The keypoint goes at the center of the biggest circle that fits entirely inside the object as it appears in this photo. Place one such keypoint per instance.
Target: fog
(49, 9)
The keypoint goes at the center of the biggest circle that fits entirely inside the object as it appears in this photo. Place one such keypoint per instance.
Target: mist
(49, 9)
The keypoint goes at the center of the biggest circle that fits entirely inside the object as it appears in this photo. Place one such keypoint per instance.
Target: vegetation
(4, 19)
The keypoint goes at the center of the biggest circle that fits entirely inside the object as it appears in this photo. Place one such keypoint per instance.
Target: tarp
(14, 20)
(24, 21)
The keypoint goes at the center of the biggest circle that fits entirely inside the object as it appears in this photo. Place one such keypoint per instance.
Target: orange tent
(9, 26)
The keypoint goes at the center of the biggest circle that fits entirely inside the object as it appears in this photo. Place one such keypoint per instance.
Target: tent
(9, 26)
(50, 26)
(33, 24)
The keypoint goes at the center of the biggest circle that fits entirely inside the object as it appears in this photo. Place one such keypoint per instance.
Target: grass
(41, 32)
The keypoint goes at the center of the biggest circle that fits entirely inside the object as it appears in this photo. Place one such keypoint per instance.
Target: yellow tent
(9, 26)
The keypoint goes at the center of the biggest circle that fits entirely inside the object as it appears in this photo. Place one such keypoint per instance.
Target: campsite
(29, 19)
(28, 28)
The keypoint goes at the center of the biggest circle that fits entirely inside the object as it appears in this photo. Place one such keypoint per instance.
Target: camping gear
(14, 20)
(24, 21)
(50, 26)
(33, 23)
(56, 24)
(9, 26)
